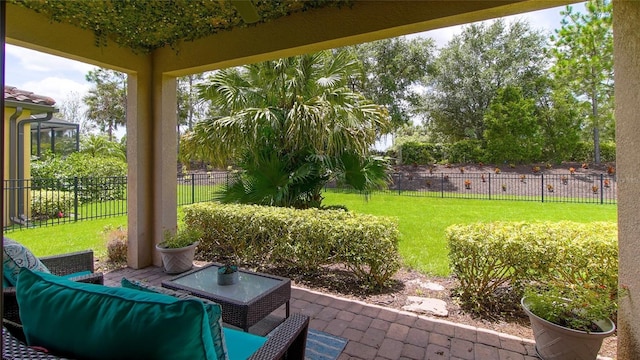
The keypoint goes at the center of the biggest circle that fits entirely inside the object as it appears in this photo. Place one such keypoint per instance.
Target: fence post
(441, 185)
(399, 183)
(489, 186)
(75, 198)
(193, 188)
(601, 189)
(542, 187)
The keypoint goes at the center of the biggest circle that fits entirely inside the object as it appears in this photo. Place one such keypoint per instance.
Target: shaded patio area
(376, 332)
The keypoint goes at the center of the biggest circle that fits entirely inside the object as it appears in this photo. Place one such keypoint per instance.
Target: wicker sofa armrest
(64, 264)
(70, 263)
(288, 340)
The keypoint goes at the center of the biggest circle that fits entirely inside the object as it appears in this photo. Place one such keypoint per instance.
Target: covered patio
(377, 332)
(245, 34)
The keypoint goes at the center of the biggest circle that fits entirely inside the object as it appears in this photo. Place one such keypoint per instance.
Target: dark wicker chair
(64, 264)
(287, 341)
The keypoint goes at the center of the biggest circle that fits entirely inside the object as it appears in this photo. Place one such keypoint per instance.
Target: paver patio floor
(376, 332)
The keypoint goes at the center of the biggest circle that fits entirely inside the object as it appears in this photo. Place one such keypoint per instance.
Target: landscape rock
(428, 285)
(428, 306)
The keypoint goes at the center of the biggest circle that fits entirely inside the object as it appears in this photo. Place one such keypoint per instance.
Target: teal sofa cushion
(16, 256)
(241, 345)
(91, 321)
(214, 311)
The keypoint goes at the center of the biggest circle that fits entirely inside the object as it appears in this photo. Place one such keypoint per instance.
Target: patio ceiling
(194, 36)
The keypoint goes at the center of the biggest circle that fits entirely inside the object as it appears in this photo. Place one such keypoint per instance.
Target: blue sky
(60, 78)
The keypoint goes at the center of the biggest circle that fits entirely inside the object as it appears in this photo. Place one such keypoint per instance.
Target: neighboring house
(22, 108)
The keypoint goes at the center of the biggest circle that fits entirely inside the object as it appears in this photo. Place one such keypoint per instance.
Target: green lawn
(421, 221)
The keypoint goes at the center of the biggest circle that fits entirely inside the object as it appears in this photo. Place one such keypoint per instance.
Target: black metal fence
(43, 202)
(577, 188)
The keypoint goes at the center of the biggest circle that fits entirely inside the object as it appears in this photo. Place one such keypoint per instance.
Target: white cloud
(55, 87)
(32, 60)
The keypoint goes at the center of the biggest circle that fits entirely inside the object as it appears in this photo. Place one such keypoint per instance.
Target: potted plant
(228, 274)
(178, 250)
(569, 322)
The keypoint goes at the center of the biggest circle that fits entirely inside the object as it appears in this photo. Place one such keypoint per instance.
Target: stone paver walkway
(376, 332)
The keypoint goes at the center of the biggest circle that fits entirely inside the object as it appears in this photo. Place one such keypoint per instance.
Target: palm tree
(292, 125)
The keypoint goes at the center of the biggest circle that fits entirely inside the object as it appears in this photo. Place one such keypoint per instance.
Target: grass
(422, 222)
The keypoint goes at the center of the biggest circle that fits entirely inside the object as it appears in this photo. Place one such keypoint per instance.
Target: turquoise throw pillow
(15, 257)
(214, 311)
(89, 321)
(242, 345)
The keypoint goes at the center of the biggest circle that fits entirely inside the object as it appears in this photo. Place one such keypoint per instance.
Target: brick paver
(375, 332)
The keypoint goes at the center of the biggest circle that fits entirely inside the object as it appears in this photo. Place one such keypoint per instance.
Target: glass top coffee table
(244, 303)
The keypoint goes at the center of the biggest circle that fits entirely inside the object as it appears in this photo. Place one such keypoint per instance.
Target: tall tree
(107, 100)
(190, 108)
(472, 67)
(71, 109)
(393, 74)
(583, 48)
(293, 125)
(512, 130)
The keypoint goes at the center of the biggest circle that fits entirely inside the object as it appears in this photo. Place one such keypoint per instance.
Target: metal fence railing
(43, 202)
(578, 188)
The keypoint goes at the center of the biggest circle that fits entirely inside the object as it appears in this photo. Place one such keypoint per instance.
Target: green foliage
(512, 131)
(147, 25)
(393, 71)
(100, 146)
(292, 125)
(608, 151)
(55, 173)
(486, 256)
(465, 151)
(300, 239)
(583, 50)
(181, 238)
(417, 153)
(47, 204)
(107, 100)
(473, 66)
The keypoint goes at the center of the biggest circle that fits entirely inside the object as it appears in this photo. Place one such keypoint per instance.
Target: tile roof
(15, 94)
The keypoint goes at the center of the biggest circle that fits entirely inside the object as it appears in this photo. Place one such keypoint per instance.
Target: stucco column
(164, 158)
(626, 17)
(151, 155)
(139, 159)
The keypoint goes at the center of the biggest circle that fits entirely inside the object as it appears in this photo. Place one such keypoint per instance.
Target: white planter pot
(554, 342)
(175, 261)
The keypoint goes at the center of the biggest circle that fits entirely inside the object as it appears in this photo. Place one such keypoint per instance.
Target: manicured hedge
(300, 239)
(47, 204)
(487, 256)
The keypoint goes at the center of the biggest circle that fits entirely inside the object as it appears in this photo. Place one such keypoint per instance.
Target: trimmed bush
(485, 257)
(46, 204)
(416, 153)
(304, 240)
(465, 151)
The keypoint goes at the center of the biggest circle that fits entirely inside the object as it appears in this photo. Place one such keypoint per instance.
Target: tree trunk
(596, 128)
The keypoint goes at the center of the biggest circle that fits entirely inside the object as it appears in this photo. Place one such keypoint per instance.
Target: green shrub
(46, 204)
(304, 240)
(485, 257)
(98, 178)
(465, 151)
(416, 153)
(608, 152)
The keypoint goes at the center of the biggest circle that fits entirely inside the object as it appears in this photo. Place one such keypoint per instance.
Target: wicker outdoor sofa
(60, 265)
(286, 341)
